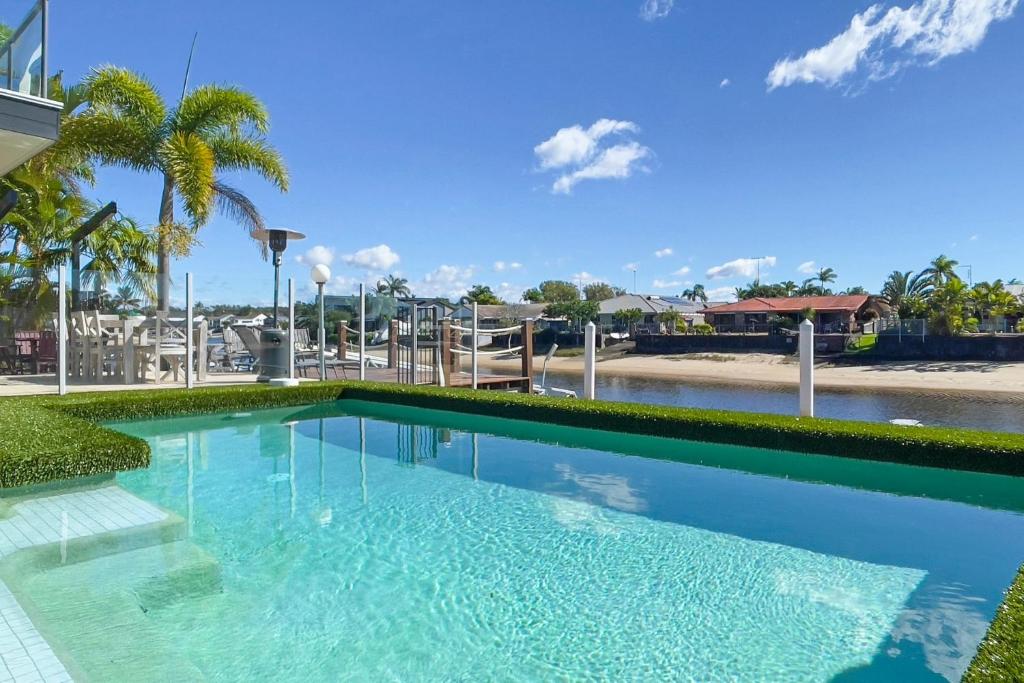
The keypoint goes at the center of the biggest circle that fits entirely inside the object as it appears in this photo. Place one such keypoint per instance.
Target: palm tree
(941, 270)
(393, 286)
(696, 293)
(905, 292)
(212, 130)
(825, 276)
(789, 287)
(124, 300)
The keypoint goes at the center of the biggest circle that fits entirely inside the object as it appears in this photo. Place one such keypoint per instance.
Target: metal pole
(323, 333)
(414, 326)
(291, 329)
(62, 330)
(362, 332)
(474, 357)
(277, 283)
(806, 368)
(43, 57)
(190, 343)
(589, 359)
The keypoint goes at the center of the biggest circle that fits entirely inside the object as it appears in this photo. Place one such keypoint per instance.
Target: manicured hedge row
(1001, 655)
(928, 446)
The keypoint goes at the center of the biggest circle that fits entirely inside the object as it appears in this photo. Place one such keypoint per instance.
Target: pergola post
(527, 355)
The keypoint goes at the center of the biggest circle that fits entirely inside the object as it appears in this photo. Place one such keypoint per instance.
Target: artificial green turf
(1001, 655)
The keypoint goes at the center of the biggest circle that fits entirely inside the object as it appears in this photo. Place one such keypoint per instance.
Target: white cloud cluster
(807, 268)
(585, 278)
(577, 152)
(881, 43)
(741, 267)
(631, 266)
(667, 284)
(445, 281)
(721, 294)
(662, 253)
(725, 83)
(502, 266)
(378, 258)
(656, 9)
(316, 255)
(685, 270)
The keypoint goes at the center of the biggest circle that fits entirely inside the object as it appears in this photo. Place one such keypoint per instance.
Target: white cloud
(685, 270)
(509, 292)
(341, 285)
(725, 83)
(444, 281)
(879, 44)
(662, 253)
(667, 284)
(316, 255)
(631, 266)
(586, 278)
(578, 152)
(721, 294)
(378, 258)
(741, 267)
(655, 9)
(974, 238)
(502, 266)
(807, 268)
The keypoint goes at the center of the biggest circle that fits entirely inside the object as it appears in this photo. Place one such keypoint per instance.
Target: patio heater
(274, 357)
(277, 239)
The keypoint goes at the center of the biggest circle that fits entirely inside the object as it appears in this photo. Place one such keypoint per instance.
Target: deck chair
(157, 341)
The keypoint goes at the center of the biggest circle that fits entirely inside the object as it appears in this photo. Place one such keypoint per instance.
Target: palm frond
(234, 204)
(188, 160)
(210, 108)
(235, 152)
(127, 93)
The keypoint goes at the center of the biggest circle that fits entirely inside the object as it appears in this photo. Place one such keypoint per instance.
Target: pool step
(102, 615)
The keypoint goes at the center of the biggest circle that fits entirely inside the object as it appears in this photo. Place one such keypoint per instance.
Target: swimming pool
(357, 541)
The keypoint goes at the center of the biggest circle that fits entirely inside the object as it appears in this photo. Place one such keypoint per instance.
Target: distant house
(379, 309)
(844, 313)
(652, 306)
(443, 307)
(258, 320)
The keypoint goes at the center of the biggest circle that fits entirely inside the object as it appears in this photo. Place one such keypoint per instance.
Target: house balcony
(29, 122)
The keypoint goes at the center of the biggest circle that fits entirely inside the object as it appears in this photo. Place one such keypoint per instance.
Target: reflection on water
(995, 412)
(346, 519)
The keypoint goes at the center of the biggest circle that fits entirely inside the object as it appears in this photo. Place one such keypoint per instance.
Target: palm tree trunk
(163, 264)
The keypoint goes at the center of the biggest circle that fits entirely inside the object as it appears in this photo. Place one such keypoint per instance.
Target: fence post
(527, 354)
(589, 360)
(473, 369)
(291, 328)
(362, 331)
(62, 330)
(446, 350)
(806, 369)
(393, 343)
(190, 344)
(415, 330)
(342, 339)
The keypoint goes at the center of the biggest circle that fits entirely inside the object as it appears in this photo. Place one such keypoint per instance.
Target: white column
(62, 330)
(291, 329)
(589, 359)
(414, 327)
(473, 369)
(806, 369)
(362, 332)
(190, 344)
(323, 333)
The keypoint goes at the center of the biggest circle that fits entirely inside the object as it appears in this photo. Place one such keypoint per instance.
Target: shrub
(1001, 655)
(703, 328)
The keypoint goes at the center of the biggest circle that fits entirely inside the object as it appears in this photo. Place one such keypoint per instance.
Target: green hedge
(1001, 655)
(51, 438)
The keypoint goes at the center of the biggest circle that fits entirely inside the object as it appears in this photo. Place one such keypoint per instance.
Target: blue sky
(507, 143)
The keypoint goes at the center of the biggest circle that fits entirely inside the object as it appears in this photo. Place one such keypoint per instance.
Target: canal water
(995, 412)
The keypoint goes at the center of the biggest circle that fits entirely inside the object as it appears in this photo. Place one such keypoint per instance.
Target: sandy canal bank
(767, 369)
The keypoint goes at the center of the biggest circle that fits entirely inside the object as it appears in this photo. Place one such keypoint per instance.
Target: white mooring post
(589, 360)
(190, 342)
(806, 369)
(474, 342)
(291, 328)
(62, 330)
(362, 332)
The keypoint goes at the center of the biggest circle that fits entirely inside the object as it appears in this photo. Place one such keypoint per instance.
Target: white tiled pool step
(25, 655)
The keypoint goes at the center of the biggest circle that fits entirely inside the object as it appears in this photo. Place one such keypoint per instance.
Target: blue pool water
(362, 542)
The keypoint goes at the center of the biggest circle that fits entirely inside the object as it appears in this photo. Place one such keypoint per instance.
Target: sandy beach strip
(767, 369)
